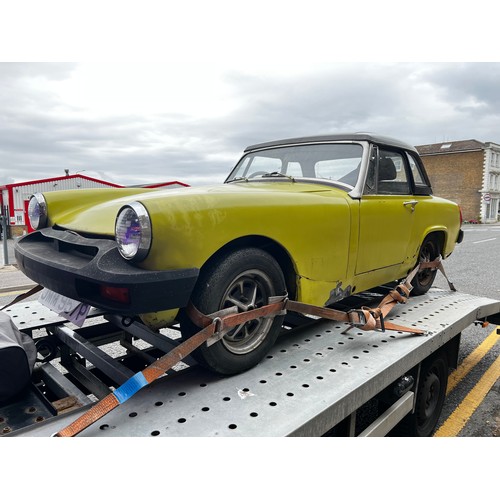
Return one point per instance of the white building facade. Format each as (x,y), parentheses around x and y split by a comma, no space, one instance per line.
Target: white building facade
(490,192)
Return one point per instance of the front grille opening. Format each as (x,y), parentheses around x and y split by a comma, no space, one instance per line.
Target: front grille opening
(78,250)
(84,247)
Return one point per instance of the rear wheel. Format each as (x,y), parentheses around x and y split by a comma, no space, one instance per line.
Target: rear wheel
(246,279)
(424,279)
(430,397)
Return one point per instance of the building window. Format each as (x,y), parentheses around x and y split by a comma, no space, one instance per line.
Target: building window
(494,182)
(495,160)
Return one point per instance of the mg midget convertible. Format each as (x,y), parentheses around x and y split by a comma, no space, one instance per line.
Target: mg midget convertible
(314,218)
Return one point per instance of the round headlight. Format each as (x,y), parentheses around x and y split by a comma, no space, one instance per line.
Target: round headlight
(133,231)
(37,211)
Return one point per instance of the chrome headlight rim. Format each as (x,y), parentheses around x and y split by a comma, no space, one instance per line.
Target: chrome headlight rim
(142,244)
(37,211)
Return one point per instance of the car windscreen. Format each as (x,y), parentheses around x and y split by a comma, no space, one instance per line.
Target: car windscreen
(333,162)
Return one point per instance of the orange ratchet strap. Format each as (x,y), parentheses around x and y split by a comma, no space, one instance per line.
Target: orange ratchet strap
(141,379)
(23,296)
(214,327)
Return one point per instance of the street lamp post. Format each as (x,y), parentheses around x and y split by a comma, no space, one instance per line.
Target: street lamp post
(4,240)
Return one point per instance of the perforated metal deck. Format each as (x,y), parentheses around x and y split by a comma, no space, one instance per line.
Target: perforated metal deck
(314,377)
(32,315)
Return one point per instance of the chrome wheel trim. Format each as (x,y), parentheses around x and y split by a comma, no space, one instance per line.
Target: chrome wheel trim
(249,290)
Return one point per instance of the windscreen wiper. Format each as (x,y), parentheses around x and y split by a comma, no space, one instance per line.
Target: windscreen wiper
(238,179)
(278,174)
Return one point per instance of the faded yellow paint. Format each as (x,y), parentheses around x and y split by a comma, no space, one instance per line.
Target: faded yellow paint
(332,240)
(89,210)
(160,319)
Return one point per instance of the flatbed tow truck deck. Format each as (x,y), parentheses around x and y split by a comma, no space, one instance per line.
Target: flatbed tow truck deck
(314,382)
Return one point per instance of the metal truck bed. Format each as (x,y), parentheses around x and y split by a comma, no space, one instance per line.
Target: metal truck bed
(316,375)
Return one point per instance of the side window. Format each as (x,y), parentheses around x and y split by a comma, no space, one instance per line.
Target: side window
(415,171)
(387,175)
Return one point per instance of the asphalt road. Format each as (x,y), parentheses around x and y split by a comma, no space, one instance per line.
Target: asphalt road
(472,408)
(474,268)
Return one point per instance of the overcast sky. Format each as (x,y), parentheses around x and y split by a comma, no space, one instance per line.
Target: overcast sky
(190,118)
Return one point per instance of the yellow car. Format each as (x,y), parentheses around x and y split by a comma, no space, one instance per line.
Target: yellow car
(317,218)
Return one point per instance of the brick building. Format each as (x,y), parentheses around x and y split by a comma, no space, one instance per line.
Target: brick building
(467,172)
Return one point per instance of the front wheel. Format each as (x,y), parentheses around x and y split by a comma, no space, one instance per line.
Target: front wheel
(246,279)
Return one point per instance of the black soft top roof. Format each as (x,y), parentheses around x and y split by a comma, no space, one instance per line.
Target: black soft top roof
(377,139)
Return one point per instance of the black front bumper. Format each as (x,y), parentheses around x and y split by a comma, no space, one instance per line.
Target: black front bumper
(77,267)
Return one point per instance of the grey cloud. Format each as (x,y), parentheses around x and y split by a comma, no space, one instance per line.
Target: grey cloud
(418,103)
(461,81)
(340,98)
(40,135)
(50,71)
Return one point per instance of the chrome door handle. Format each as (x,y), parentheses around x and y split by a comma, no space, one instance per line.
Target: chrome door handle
(412,203)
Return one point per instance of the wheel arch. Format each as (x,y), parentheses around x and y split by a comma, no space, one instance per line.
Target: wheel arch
(277,251)
(439,235)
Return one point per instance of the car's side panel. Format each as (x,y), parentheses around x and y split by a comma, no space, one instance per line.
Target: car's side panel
(311,222)
(431,215)
(435,215)
(384,233)
(313,227)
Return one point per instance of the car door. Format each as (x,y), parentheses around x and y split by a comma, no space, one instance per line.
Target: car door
(386,212)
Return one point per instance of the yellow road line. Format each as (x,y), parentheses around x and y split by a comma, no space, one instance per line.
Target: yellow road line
(472,360)
(16,292)
(456,421)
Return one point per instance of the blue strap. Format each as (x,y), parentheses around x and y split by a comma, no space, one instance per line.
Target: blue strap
(130,387)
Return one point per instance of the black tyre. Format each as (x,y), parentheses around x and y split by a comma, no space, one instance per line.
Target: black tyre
(424,279)
(245,278)
(429,399)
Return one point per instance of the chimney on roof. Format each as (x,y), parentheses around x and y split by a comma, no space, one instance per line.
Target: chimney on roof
(66,171)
